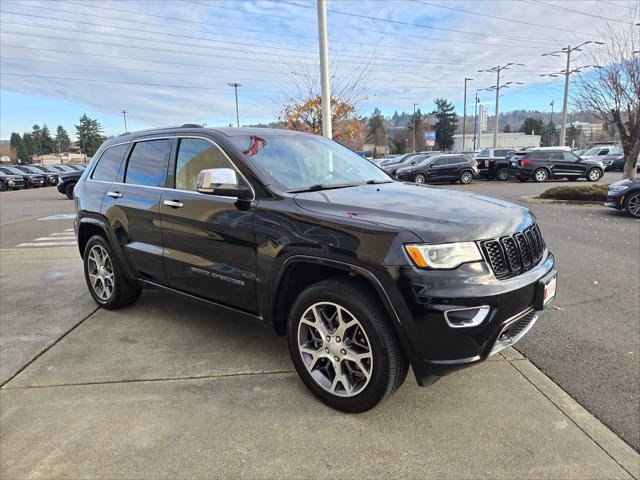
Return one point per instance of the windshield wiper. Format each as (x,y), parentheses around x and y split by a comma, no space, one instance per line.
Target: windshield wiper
(321,186)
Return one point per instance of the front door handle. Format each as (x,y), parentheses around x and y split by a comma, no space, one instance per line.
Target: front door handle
(114,194)
(173,203)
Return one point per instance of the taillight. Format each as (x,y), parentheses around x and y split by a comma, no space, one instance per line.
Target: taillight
(525,162)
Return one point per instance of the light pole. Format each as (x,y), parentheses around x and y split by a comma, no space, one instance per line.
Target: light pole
(464,117)
(124,115)
(475,120)
(567,72)
(497,69)
(235,87)
(324,69)
(553,128)
(415,126)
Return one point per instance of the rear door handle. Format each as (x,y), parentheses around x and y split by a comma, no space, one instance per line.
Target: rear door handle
(114,194)
(173,203)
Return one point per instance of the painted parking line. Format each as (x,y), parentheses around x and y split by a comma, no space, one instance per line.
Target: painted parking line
(58,239)
(60,216)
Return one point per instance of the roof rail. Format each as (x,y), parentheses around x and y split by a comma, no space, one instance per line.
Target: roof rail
(191,125)
(186,125)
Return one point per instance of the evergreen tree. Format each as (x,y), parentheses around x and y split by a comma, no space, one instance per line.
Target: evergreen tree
(47,143)
(30,145)
(62,139)
(447,123)
(376,132)
(507,128)
(415,130)
(89,134)
(537,126)
(18,146)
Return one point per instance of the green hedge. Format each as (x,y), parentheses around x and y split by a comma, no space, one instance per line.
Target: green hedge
(595,192)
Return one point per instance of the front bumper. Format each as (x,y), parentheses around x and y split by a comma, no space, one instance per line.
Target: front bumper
(435,348)
(615,200)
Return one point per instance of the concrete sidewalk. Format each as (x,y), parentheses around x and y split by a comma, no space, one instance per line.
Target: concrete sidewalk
(170,389)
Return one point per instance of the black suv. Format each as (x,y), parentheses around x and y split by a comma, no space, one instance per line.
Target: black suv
(67,182)
(52,178)
(365,275)
(31,180)
(10,182)
(439,168)
(544,164)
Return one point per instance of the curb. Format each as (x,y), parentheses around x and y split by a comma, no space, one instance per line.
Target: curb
(609,442)
(553,200)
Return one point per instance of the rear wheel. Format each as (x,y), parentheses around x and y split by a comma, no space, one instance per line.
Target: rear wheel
(420,179)
(466,177)
(540,175)
(107,283)
(68,190)
(503,174)
(594,175)
(632,205)
(343,346)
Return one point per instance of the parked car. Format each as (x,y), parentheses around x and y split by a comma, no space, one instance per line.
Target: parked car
(614,160)
(595,152)
(440,168)
(10,182)
(63,168)
(625,195)
(493,163)
(365,275)
(543,164)
(51,178)
(31,180)
(67,182)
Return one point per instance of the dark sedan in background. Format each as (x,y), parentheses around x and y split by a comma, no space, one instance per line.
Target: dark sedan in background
(625,195)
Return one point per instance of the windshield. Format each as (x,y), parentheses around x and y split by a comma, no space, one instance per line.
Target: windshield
(591,151)
(12,171)
(300,162)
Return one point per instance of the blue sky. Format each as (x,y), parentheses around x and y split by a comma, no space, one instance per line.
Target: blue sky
(168,62)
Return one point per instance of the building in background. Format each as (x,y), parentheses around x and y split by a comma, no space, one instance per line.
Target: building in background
(514,140)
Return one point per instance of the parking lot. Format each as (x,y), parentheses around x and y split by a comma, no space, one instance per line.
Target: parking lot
(168,388)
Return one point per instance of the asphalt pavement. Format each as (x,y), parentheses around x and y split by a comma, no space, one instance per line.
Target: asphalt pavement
(167,388)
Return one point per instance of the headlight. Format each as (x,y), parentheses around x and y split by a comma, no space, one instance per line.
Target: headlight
(10,182)
(618,188)
(446,255)
(59,178)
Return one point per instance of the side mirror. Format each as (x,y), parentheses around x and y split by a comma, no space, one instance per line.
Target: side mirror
(413,163)
(223,182)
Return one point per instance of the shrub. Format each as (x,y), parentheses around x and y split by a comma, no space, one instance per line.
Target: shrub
(589,192)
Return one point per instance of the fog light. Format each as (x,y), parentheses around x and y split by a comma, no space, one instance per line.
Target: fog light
(466,317)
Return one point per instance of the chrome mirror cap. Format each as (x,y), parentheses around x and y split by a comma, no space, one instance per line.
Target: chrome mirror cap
(212,179)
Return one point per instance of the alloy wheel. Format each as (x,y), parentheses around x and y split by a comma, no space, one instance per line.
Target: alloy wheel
(335,349)
(633,205)
(541,176)
(100,270)
(466,178)
(594,175)
(420,179)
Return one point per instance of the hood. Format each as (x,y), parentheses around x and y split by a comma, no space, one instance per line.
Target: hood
(627,182)
(435,214)
(592,159)
(66,175)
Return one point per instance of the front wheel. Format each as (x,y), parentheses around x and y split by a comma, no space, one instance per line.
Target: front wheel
(466,178)
(594,175)
(540,175)
(343,346)
(632,205)
(420,179)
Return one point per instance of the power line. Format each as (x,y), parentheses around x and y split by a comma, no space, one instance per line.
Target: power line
(368,17)
(561,29)
(577,12)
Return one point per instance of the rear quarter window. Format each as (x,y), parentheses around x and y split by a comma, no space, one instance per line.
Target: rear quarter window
(108,165)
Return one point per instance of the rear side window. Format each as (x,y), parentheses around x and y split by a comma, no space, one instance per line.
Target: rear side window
(195,154)
(148,163)
(109,164)
(556,156)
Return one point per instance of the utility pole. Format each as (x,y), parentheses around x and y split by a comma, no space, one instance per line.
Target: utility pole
(235,87)
(124,115)
(475,120)
(497,69)
(324,69)
(567,73)
(82,149)
(464,117)
(415,128)
(553,127)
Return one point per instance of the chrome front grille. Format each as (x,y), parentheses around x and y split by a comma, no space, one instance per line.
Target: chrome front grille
(514,254)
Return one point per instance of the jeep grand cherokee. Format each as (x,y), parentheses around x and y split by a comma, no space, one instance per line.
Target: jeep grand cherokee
(364,274)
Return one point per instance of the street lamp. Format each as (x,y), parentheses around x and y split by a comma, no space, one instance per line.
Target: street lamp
(567,72)
(464,117)
(497,69)
(415,124)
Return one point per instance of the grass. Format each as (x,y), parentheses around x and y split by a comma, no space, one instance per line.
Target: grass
(591,192)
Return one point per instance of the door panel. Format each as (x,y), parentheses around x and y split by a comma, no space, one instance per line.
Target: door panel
(209,246)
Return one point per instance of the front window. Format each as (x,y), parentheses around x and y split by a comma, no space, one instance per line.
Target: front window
(300,162)
(194,155)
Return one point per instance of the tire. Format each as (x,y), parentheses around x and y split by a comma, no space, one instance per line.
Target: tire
(122,292)
(594,175)
(3,187)
(632,205)
(541,175)
(68,190)
(372,337)
(420,179)
(466,177)
(503,174)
